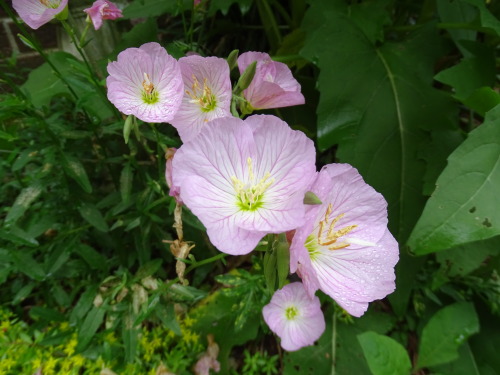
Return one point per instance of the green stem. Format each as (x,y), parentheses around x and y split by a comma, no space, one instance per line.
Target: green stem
(204,261)
(84,34)
(334,341)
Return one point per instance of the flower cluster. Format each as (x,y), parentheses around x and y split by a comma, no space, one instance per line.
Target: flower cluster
(247,178)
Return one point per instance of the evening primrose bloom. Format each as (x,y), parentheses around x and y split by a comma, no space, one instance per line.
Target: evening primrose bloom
(295,317)
(273,85)
(102,10)
(36,13)
(145,82)
(207,94)
(244,179)
(344,247)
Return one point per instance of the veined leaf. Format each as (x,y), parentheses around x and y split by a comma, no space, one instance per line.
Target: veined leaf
(464,206)
(385,356)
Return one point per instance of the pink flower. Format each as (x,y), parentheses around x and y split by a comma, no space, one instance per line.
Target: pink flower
(273,85)
(103,10)
(207,94)
(244,179)
(38,12)
(174,190)
(344,247)
(295,317)
(146,82)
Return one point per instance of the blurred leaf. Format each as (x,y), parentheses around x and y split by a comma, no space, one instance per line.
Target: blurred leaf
(74,169)
(472,72)
(94,259)
(486,18)
(169,319)
(19,236)
(148,269)
(27,265)
(458,12)
(89,327)
(141,33)
(224,5)
(454,216)
(283,262)
(384,355)
(483,100)
(47,314)
(464,365)
(126,178)
(23,201)
(485,344)
(130,336)
(93,216)
(269,264)
(83,305)
(464,259)
(149,8)
(447,329)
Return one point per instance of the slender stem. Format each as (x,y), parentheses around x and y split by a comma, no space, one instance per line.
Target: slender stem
(334,341)
(205,261)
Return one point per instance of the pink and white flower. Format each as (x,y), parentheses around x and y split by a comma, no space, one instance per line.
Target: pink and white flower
(245,179)
(207,94)
(146,82)
(344,247)
(273,85)
(36,13)
(103,10)
(295,317)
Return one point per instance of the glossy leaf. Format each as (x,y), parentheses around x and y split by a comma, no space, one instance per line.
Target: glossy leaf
(385,356)
(454,216)
(449,328)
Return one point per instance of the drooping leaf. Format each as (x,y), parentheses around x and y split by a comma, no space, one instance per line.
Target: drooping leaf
(447,329)
(463,208)
(385,356)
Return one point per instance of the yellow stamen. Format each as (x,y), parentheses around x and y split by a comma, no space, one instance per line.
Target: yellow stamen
(332,235)
(147,84)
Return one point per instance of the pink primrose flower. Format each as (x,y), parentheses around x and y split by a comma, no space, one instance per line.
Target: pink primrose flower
(244,179)
(273,85)
(103,10)
(344,247)
(174,190)
(36,13)
(146,82)
(295,317)
(207,94)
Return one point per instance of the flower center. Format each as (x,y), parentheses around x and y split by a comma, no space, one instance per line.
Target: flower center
(291,313)
(249,196)
(51,3)
(328,237)
(202,95)
(149,94)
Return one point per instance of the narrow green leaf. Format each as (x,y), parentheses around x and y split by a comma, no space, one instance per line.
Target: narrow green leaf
(19,236)
(126,179)
(449,328)
(454,216)
(168,318)
(74,169)
(83,305)
(94,259)
(89,327)
(27,265)
(270,269)
(127,127)
(23,201)
(130,336)
(148,269)
(283,262)
(385,356)
(93,216)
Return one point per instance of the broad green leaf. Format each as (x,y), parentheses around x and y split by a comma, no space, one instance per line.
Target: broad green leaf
(93,216)
(89,327)
(483,100)
(74,169)
(23,201)
(376,103)
(224,5)
(472,72)
(447,329)
(485,344)
(464,365)
(458,12)
(139,34)
(464,206)
(464,259)
(385,356)
(486,18)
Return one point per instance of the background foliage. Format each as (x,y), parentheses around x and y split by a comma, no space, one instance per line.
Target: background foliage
(406,92)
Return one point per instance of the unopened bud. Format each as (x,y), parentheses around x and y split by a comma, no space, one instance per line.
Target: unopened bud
(232,59)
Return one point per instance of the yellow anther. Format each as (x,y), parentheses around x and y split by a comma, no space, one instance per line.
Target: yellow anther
(333,235)
(147,84)
(250,195)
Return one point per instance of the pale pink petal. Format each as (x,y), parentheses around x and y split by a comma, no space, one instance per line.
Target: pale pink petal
(205,78)
(273,85)
(102,10)
(302,328)
(127,75)
(37,13)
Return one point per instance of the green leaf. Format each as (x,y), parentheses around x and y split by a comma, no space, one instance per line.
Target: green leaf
(283,262)
(130,336)
(89,327)
(486,18)
(139,34)
(270,269)
(471,73)
(378,106)
(126,179)
(385,356)
(464,365)
(445,332)
(458,12)
(148,269)
(463,208)
(464,259)
(93,216)
(149,8)
(482,100)
(94,259)
(23,201)
(27,265)
(127,127)
(224,5)
(19,236)
(74,169)
(83,305)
